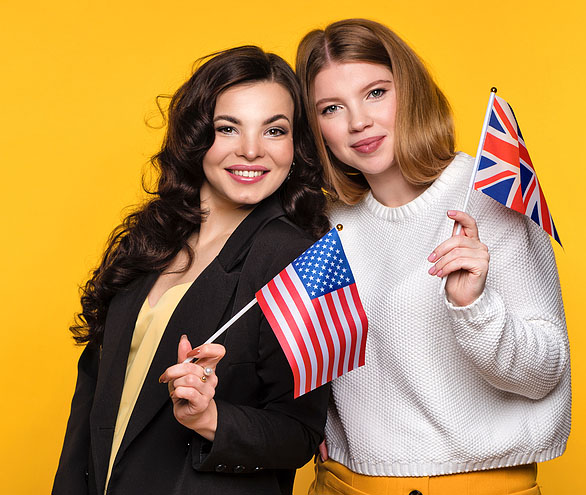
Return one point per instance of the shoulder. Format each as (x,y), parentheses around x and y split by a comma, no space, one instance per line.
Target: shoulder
(281,238)
(277,244)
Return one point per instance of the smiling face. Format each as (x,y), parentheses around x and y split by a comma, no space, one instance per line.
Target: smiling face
(253,146)
(356,108)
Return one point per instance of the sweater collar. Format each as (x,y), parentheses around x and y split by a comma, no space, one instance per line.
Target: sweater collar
(426,199)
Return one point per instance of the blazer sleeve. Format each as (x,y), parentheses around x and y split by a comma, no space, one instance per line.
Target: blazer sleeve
(283,432)
(72,472)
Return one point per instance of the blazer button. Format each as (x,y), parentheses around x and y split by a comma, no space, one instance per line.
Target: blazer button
(239,469)
(415,492)
(220,468)
(258,468)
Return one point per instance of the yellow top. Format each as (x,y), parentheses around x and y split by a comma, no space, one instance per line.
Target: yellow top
(149,328)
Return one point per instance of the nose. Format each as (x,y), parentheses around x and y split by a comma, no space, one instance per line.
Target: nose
(251,147)
(359,120)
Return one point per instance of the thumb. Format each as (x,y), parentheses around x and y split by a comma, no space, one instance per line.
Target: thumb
(183,348)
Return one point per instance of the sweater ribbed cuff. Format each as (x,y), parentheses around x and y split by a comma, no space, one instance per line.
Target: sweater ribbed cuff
(487,299)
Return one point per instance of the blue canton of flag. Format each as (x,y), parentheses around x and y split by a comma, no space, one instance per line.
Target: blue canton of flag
(324,268)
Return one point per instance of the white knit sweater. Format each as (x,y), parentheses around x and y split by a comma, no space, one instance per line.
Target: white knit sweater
(447,389)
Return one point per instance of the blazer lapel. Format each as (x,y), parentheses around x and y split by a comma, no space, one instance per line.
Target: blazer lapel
(119,328)
(200,312)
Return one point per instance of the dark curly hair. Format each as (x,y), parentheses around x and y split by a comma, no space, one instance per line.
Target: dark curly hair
(149,238)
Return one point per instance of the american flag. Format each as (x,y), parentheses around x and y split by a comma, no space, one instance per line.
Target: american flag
(505,171)
(315,311)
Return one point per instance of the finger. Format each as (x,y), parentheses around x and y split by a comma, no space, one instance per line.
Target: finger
(178,370)
(197,382)
(476,266)
(183,348)
(475,259)
(454,243)
(469,227)
(193,396)
(208,355)
(323,451)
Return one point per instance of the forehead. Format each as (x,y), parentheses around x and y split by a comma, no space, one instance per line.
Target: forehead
(255,99)
(341,77)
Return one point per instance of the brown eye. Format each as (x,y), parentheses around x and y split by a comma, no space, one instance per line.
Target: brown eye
(276,131)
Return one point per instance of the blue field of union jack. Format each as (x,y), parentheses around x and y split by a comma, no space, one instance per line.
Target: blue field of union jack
(505,172)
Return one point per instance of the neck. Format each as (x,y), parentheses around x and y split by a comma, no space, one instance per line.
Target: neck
(222,219)
(392,189)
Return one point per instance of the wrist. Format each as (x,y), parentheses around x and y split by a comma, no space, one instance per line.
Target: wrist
(206,423)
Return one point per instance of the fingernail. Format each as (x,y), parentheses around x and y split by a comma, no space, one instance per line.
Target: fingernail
(432,257)
(193,352)
(183,337)
(432,270)
(451,213)
(161,379)
(440,273)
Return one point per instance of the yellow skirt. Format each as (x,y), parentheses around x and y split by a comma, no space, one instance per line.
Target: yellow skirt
(333,478)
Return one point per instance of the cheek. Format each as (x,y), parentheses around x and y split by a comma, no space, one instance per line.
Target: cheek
(332,134)
(282,153)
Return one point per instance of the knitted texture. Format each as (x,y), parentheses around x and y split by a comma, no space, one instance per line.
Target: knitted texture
(448,389)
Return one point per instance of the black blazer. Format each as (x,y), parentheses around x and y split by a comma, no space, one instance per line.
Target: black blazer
(263,434)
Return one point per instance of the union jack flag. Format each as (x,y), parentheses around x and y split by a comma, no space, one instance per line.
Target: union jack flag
(315,311)
(505,171)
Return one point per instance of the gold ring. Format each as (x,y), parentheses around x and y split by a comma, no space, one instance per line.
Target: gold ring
(203,378)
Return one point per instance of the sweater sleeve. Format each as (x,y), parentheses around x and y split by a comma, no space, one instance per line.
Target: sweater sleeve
(515,332)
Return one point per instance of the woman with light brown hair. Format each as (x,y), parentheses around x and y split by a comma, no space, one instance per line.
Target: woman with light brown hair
(463,390)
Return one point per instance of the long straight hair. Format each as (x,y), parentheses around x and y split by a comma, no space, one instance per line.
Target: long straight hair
(424,142)
(148,239)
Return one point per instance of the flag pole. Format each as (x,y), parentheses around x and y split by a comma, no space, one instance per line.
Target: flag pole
(226,325)
(475,168)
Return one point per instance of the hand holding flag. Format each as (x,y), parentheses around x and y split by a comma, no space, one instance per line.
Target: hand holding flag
(503,169)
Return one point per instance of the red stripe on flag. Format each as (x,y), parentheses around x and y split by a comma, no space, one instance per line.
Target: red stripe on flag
(545,218)
(480,184)
(277,330)
(363,320)
(292,290)
(352,326)
(528,195)
(294,331)
(517,202)
(339,330)
(524,155)
(505,120)
(504,151)
(330,343)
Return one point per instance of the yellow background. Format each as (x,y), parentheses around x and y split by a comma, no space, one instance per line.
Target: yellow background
(78,80)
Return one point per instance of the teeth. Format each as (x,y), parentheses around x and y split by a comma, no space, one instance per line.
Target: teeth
(247,173)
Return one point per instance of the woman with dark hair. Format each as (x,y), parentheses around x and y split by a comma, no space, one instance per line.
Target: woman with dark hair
(238,198)
(463,391)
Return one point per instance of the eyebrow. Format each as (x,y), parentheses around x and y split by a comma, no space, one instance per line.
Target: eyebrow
(270,120)
(369,85)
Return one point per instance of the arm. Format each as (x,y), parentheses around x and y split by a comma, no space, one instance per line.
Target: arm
(72,472)
(514,332)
